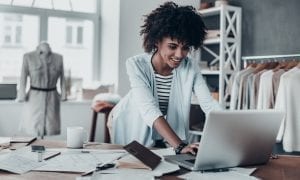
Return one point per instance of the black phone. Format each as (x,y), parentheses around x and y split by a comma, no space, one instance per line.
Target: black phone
(37,148)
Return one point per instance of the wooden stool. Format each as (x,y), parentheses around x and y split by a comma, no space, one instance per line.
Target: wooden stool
(100,107)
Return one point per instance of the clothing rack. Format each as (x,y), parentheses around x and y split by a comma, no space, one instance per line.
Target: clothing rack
(270,58)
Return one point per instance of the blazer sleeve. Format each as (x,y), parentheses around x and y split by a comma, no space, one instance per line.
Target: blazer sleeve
(142,93)
(23,80)
(62,80)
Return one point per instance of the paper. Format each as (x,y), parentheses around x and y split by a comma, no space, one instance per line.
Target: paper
(4,143)
(23,160)
(232,174)
(77,161)
(21,139)
(136,176)
(4,140)
(18,164)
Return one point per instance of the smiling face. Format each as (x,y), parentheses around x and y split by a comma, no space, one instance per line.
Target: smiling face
(170,53)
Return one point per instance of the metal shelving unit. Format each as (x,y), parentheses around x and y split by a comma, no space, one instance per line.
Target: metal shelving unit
(228,55)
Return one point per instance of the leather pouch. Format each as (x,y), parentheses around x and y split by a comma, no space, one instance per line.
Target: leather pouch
(146,156)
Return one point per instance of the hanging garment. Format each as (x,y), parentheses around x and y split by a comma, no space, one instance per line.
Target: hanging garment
(275,83)
(255,85)
(234,98)
(42,101)
(288,100)
(265,100)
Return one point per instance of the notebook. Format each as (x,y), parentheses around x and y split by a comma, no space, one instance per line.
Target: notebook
(233,138)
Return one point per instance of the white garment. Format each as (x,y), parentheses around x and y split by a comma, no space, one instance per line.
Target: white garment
(265,96)
(288,100)
(235,88)
(243,89)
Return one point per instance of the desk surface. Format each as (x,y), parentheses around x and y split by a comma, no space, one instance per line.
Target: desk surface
(283,168)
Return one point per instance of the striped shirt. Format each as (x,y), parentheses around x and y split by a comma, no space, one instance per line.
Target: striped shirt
(163,85)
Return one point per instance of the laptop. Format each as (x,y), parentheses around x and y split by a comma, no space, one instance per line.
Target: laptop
(233,138)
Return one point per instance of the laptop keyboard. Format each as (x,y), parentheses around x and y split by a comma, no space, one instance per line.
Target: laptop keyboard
(191,161)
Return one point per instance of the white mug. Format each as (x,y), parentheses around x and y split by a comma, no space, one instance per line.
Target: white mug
(76,136)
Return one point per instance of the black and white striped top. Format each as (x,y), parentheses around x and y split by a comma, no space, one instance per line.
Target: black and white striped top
(163,85)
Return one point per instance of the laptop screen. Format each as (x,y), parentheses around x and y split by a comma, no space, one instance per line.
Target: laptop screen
(8,91)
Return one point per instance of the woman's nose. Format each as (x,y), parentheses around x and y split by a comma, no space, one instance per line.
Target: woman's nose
(179,53)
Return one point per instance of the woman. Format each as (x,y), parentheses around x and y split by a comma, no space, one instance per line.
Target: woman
(162,80)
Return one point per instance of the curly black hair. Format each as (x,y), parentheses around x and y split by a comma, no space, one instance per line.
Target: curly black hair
(182,23)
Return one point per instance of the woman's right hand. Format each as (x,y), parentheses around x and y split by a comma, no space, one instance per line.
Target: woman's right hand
(190,148)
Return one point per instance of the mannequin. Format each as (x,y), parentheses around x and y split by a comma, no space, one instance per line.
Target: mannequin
(42,101)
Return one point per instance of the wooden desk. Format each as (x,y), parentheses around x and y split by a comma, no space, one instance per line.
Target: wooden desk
(283,168)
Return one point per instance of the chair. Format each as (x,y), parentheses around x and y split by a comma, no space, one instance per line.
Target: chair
(102,103)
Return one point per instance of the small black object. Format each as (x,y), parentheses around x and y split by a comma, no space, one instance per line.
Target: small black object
(216,170)
(105,166)
(37,148)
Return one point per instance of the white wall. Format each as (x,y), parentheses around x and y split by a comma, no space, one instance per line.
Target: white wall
(120,39)
(109,43)
(72,114)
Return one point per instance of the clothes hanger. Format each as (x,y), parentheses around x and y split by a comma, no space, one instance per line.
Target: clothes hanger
(298,65)
(281,65)
(272,65)
(291,64)
(261,66)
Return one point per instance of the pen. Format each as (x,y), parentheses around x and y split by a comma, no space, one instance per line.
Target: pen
(52,156)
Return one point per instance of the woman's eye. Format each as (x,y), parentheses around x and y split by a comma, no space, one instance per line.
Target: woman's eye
(172,47)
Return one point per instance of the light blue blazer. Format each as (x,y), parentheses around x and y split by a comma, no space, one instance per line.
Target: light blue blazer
(134,115)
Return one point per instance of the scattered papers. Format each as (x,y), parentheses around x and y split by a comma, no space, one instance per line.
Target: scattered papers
(18,164)
(77,161)
(15,142)
(232,174)
(23,160)
(131,176)
(21,139)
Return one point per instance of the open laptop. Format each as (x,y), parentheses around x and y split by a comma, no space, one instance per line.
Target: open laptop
(233,138)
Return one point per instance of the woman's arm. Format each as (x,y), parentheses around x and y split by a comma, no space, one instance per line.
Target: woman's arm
(164,129)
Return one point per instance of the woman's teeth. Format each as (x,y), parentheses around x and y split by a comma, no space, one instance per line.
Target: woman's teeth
(176,60)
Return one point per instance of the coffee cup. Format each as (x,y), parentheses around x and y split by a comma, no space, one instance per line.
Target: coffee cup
(76,136)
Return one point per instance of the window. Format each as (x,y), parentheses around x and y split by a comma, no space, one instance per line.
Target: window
(18,35)
(88,6)
(74,33)
(77,47)
(68,25)
(12,29)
